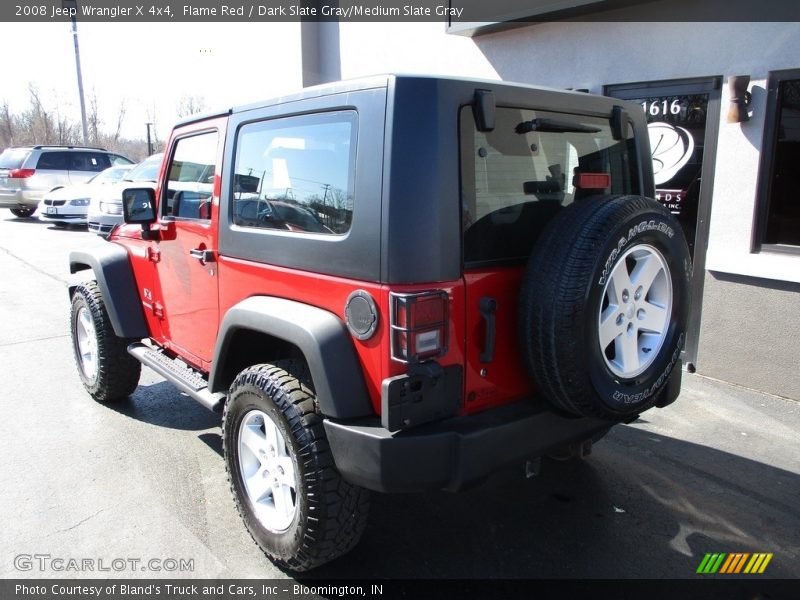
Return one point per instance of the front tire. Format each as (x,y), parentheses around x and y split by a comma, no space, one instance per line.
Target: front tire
(295,504)
(22,213)
(106,369)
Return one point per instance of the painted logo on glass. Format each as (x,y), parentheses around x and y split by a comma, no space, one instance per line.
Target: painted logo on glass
(677,127)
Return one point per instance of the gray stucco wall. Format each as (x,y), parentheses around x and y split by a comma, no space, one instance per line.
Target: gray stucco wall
(750,333)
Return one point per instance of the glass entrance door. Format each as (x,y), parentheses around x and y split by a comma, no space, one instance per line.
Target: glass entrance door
(682,121)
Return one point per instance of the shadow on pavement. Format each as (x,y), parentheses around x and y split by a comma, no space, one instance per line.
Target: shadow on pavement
(643,506)
(162,405)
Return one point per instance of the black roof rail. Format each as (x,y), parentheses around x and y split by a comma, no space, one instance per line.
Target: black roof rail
(42,146)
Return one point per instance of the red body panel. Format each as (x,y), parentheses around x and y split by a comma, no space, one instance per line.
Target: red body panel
(240,279)
(505,377)
(181,302)
(188,290)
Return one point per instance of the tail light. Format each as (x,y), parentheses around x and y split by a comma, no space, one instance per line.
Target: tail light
(419,325)
(21,173)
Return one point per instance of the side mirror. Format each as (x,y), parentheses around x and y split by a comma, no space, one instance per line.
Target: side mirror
(138,206)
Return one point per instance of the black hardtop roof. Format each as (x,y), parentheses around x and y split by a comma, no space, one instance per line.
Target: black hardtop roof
(372,82)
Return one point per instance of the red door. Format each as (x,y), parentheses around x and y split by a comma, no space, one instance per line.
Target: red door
(186,265)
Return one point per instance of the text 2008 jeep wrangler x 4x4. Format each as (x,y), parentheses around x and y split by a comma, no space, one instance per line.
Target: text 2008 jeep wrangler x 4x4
(393,284)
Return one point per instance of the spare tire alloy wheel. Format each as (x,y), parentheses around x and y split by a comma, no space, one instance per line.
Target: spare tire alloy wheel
(604,305)
(634,315)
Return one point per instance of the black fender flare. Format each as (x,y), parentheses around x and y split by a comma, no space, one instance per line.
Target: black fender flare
(321,337)
(114,274)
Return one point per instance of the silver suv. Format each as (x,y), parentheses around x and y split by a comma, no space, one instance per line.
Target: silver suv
(28,172)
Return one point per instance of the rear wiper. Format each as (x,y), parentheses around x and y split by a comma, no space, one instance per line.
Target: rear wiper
(555,126)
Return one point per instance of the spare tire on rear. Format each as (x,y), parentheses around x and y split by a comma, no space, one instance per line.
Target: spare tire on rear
(604,305)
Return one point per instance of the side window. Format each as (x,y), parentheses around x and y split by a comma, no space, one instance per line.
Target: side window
(779,208)
(190,184)
(89,161)
(296,174)
(57,161)
(520,175)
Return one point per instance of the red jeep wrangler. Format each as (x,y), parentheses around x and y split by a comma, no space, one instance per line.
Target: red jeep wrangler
(394,284)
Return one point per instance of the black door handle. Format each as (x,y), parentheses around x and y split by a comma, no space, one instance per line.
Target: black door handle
(488,307)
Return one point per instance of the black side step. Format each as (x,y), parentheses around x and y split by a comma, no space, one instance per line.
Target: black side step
(184,378)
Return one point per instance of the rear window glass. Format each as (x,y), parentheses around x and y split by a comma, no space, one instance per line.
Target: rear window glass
(296,174)
(13,159)
(57,161)
(514,179)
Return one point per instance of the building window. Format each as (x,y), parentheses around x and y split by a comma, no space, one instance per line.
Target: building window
(779,203)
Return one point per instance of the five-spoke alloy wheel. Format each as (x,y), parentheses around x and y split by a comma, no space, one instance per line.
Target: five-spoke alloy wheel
(635,313)
(268,472)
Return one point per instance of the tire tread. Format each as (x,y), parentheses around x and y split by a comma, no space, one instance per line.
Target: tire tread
(118,372)
(337,510)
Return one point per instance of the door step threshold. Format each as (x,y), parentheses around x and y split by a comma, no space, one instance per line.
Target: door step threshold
(186,379)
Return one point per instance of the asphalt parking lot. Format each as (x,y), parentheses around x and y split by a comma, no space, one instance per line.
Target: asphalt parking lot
(719,471)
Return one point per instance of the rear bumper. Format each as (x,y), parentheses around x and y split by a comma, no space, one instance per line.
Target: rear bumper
(20,198)
(452,453)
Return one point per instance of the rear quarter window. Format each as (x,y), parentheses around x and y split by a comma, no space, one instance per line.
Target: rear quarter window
(513,181)
(56,161)
(296,174)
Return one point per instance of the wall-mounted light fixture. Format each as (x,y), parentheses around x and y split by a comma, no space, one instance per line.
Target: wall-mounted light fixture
(740,98)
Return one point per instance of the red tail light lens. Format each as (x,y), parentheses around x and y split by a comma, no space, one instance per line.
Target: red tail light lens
(592,181)
(20,173)
(419,325)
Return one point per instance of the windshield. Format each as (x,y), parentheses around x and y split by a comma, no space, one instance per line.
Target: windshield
(110,175)
(147,170)
(13,159)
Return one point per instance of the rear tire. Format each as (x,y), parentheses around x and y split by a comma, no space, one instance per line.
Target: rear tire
(295,504)
(22,213)
(106,369)
(604,306)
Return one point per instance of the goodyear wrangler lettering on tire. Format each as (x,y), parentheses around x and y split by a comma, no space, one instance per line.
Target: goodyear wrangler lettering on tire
(643,226)
(603,320)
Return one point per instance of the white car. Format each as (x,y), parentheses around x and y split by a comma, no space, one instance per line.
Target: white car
(105,209)
(70,205)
